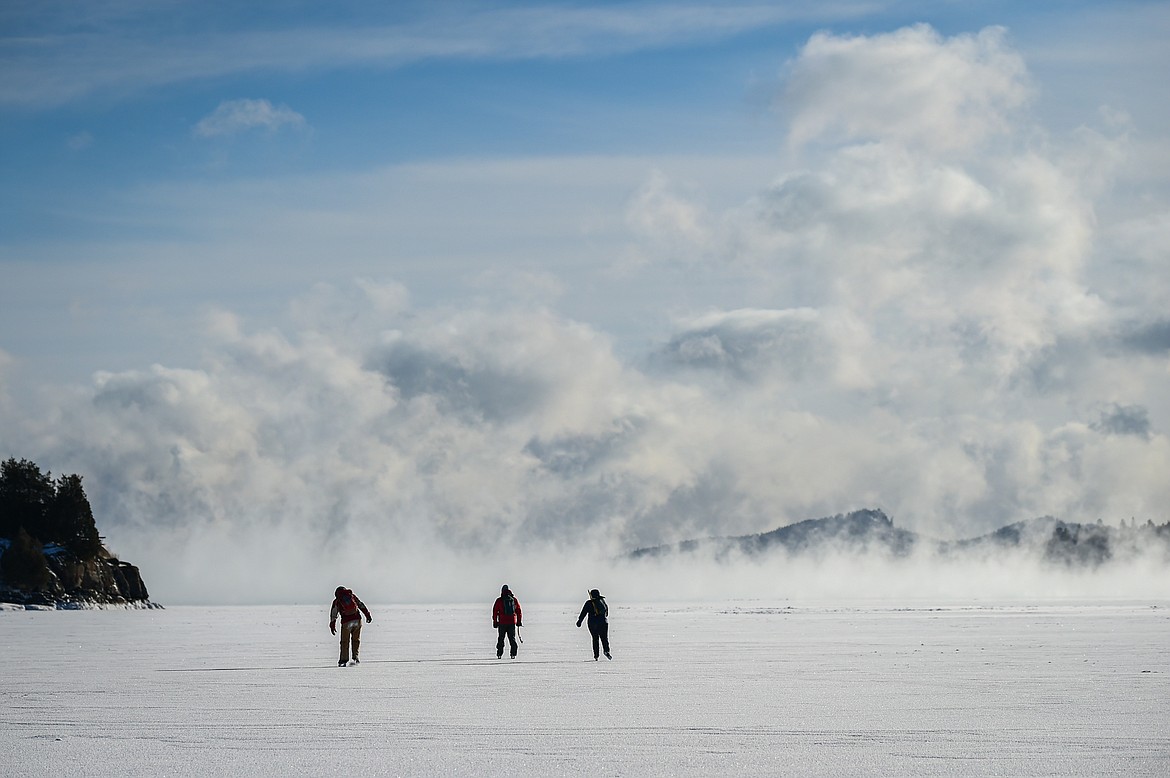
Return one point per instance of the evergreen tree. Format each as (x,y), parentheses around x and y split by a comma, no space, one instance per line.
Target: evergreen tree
(69,519)
(25,495)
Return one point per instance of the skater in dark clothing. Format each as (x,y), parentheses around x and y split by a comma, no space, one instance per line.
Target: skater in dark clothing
(350,609)
(506,617)
(597,612)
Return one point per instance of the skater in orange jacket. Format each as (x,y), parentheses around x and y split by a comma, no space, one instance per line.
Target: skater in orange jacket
(350,609)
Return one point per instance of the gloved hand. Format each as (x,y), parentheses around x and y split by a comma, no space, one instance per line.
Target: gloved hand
(495,625)
(369,619)
(518,624)
(333,627)
(578,625)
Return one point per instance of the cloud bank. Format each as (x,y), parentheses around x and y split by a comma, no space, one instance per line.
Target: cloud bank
(931,333)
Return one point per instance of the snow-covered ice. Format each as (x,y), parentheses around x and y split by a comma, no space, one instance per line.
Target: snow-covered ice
(739,688)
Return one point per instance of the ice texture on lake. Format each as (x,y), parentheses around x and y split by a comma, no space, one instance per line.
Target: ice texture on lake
(737,688)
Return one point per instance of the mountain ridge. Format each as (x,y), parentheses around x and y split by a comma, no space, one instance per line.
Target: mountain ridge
(870,529)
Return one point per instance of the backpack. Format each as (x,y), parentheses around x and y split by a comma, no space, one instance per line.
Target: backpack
(509,604)
(347,605)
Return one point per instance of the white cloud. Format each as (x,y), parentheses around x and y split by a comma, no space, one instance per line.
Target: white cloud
(910,86)
(663,213)
(903,217)
(748,343)
(232,117)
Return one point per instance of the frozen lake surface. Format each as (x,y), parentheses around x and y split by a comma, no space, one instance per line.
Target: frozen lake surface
(707,689)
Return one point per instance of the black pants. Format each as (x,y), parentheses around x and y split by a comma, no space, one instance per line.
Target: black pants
(510,631)
(600,632)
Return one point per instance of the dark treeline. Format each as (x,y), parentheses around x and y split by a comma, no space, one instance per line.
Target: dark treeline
(37,511)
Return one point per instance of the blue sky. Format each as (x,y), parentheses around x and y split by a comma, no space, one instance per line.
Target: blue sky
(922,243)
(103,105)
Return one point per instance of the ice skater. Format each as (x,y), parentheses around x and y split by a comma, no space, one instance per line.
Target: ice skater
(350,609)
(506,618)
(597,612)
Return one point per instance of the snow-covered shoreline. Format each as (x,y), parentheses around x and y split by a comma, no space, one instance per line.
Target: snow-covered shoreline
(13,607)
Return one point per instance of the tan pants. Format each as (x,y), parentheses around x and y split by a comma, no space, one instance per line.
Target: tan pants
(351,634)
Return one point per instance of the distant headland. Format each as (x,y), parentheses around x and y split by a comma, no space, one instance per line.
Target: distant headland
(51,555)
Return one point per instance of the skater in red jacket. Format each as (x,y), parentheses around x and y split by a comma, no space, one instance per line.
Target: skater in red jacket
(506,617)
(350,609)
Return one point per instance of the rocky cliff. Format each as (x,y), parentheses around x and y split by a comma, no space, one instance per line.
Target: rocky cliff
(72,582)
